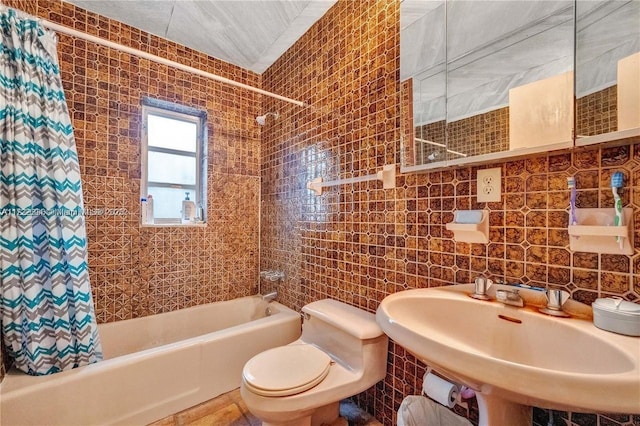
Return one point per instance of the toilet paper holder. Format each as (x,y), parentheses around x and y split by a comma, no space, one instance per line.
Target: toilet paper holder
(462,391)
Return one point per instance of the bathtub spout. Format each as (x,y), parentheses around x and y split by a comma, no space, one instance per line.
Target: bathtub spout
(270,296)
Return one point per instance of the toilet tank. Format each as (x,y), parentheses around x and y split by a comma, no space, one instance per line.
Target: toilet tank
(348,334)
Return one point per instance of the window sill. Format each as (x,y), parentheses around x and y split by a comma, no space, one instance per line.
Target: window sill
(169,225)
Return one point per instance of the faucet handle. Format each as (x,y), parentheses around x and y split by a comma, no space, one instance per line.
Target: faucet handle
(482,284)
(272,275)
(556,298)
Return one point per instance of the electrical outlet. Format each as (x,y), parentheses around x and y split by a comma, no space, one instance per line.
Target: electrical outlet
(489,185)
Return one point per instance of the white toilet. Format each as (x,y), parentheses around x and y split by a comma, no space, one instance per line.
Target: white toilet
(342,352)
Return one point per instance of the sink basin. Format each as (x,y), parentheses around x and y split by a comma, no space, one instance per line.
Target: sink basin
(515,357)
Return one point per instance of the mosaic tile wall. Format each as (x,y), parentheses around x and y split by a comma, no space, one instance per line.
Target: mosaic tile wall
(141,271)
(489,132)
(409,150)
(480,134)
(425,152)
(359,242)
(597,113)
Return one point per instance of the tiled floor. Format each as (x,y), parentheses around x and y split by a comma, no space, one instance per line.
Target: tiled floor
(229,410)
(225,410)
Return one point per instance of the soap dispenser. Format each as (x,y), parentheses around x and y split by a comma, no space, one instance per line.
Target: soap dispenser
(188,210)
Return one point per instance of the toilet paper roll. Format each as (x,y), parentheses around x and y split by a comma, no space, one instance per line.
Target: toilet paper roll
(440,390)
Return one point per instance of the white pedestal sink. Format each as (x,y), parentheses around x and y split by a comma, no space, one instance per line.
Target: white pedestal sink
(516,357)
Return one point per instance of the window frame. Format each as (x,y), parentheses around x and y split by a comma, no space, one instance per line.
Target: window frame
(177,112)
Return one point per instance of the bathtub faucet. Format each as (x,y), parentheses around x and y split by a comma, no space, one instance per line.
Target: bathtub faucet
(269,297)
(272,276)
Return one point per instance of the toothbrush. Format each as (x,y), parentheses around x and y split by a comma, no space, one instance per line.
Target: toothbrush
(571,183)
(616,182)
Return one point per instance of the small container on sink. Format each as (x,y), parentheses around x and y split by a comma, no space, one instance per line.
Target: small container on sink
(617,315)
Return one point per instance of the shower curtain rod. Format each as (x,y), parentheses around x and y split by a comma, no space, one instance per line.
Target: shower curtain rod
(145,55)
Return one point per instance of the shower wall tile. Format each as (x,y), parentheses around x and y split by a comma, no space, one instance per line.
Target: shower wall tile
(479,134)
(409,150)
(139,271)
(426,152)
(597,113)
(359,242)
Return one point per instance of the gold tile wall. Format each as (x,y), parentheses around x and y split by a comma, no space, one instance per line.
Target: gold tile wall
(141,271)
(433,132)
(597,112)
(480,134)
(356,243)
(476,135)
(359,242)
(407,132)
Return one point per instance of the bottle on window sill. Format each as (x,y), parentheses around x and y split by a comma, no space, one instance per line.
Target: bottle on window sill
(149,215)
(144,206)
(188,210)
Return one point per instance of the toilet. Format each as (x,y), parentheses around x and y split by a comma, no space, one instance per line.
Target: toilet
(342,351)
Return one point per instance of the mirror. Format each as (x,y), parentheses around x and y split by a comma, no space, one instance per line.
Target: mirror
(506,62)
(508,81)
(422,73)
(607,67)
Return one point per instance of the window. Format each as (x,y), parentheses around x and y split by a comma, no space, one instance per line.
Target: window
(173,161)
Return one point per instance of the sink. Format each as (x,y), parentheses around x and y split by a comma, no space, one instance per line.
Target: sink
(516,357)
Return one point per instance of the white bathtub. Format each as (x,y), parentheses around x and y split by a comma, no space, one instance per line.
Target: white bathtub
(154,366)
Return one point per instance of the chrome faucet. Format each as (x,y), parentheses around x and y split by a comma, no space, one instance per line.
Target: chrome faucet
(555,299)
(510,297)
(269,297)
(482,284)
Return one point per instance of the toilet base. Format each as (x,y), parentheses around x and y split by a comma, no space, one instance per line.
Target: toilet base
(327,415)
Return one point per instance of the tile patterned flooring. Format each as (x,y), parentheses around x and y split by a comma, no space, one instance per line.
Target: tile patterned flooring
(230,410)
(225,410)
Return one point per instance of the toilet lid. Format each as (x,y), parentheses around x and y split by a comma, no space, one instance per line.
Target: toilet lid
(286,370)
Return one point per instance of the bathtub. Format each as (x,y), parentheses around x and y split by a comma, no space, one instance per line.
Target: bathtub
(154,366)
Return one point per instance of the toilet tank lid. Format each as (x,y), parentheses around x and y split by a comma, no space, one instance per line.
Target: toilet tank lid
(352,320)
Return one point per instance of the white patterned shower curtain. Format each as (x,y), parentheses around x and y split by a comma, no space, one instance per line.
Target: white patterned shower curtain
(48,321)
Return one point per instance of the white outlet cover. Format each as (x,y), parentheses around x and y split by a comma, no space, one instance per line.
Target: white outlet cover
(489,185)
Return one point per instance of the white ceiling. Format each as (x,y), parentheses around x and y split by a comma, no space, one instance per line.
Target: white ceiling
(249,33)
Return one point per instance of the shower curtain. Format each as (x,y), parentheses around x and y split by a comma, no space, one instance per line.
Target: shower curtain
(48,321)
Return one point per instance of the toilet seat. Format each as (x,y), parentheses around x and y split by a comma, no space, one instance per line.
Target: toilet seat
(286,370)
